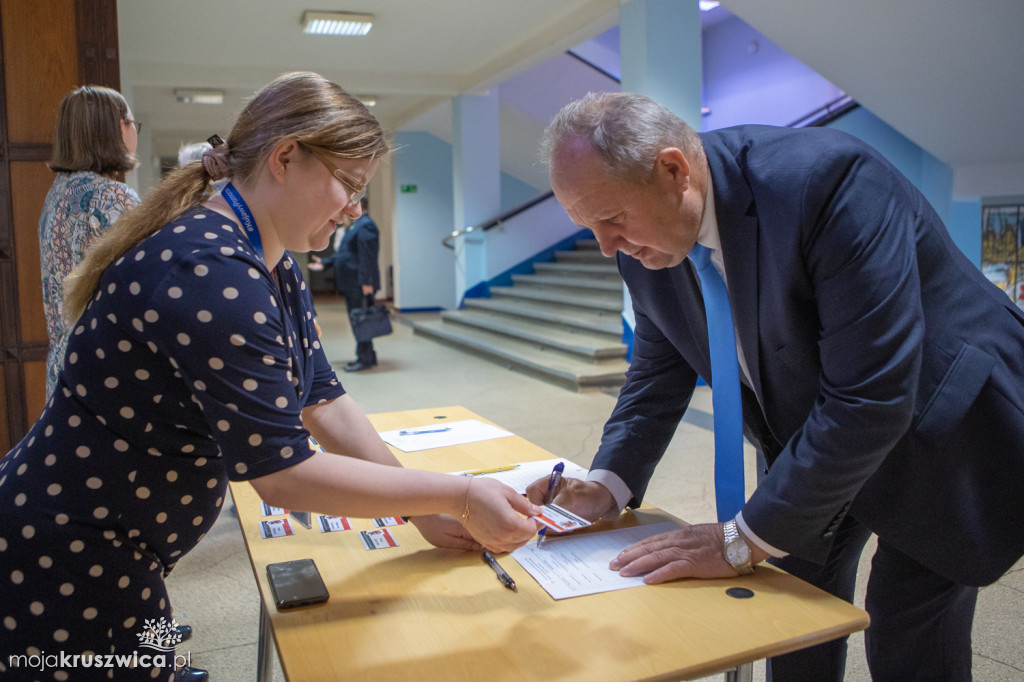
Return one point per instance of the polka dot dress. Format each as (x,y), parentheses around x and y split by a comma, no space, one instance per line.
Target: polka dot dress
(189,367)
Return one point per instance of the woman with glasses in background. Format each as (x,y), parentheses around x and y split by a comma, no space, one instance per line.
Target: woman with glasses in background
(94,147)
(195,360)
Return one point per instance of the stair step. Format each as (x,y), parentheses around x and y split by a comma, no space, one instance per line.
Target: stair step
(585,256)
(589,347)
(604,271)
(605,303)
(546,364)
(607,323)
(584,283)
(587,245)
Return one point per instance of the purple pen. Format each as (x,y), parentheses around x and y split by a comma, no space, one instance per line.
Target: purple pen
(553,479)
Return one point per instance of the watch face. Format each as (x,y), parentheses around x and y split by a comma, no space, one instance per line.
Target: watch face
(737,552)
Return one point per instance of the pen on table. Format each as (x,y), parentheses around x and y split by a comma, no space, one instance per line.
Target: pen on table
(504,577)
(416,432)
(549,496)
(492,470)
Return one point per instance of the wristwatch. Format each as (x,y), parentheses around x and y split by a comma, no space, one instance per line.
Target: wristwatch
(736,551)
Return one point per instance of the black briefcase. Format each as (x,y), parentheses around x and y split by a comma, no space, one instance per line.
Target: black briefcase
(370,321)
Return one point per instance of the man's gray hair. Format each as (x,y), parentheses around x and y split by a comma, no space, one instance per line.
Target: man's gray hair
(625,129)
(192,151)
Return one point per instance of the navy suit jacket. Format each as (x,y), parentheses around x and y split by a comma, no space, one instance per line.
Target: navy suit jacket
(355,261)
(890,371)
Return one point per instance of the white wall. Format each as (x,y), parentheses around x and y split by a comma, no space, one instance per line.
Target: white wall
(989,180)
(424,268)
(750,79)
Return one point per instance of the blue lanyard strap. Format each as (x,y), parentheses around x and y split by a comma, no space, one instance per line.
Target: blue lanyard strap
(238,205)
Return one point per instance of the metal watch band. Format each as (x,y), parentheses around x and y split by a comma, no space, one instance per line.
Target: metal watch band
(731,531)
(732,534)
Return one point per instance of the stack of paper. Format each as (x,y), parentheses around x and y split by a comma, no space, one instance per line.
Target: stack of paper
(575,565)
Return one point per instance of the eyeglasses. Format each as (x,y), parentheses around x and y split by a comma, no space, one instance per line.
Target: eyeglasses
(133,122)
(356,189)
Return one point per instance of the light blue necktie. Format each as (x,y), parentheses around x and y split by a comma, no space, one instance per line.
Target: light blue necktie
(725,387)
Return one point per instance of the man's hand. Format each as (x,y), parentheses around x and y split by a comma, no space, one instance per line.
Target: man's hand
(690,552)
(584,498)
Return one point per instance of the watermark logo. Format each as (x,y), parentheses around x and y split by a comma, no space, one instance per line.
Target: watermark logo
(159,635)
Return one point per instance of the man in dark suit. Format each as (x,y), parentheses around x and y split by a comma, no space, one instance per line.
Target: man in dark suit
(882,374)
(357,276)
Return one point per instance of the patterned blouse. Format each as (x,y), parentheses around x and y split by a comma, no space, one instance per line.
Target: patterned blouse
(78,208)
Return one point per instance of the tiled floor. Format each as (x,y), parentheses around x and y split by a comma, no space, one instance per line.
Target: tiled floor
(213,588)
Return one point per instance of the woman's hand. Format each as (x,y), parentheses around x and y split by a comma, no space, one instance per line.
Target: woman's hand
(444,531)
(494,513)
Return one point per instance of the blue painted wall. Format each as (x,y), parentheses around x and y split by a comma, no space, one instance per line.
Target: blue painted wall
(425,277)
(515,192)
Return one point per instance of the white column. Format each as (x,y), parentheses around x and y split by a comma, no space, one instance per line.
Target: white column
(476,169)
(660,52)
(660,46)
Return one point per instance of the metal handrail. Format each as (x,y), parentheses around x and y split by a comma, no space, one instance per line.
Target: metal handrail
(495,222)
(594,66)
(826,113)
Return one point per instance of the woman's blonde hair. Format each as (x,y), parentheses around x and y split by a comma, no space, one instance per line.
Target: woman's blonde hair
(302,106)
(89,134)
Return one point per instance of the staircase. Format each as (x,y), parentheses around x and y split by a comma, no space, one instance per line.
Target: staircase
(562,324)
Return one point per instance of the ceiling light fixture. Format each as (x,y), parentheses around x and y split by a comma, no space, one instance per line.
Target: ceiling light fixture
(367,100)
(199,96)
(707,5)
(336,23)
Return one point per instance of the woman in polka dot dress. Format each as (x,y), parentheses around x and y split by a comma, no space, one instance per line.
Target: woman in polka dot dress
(196,360)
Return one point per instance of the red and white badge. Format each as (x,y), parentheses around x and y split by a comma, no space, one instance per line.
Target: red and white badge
(333,524)
(378,538)
(276,528)
(267,510)
(560,520)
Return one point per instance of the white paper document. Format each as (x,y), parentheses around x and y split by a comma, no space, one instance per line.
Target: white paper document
(442,434)
(525,473)
(575,565)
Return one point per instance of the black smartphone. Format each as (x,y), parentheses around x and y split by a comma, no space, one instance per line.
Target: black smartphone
(296,583)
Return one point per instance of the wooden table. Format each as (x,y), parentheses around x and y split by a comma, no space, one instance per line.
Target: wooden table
(416,612)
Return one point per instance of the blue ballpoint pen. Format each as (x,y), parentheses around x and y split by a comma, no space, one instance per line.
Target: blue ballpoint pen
(553,480)
(416,432)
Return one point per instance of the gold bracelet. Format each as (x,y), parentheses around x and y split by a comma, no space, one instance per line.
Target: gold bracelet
(465,512)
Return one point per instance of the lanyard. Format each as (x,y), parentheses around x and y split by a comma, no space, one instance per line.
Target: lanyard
(238,205)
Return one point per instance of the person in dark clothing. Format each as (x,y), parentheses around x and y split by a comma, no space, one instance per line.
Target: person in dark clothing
(357,276)
(880,372)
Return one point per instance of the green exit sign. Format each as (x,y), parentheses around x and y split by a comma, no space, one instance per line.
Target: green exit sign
(408,189)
